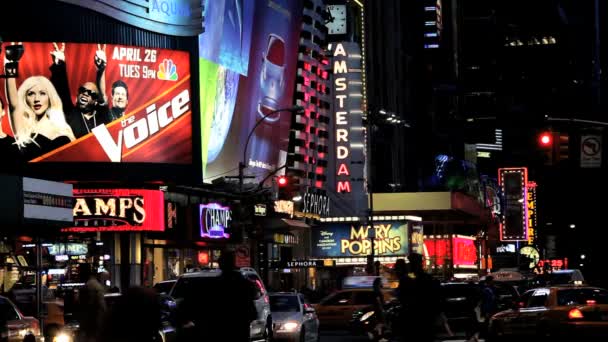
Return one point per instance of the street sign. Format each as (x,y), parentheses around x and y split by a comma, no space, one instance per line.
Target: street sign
(591,151)
(260,210)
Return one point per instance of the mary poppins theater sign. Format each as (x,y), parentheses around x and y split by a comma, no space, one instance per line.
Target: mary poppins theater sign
(118,210)
(96,103)
(349,240)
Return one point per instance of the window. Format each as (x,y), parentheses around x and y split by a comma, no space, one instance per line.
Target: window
(341,298)
(259,286)
(582,297)
(364,298)
(525,298)
(284,304)
(539,298)
(8,311)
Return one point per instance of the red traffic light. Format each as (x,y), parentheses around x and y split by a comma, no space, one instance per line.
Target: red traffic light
(545,139)
(282,180)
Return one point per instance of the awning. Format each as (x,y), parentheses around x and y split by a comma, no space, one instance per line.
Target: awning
(445,207)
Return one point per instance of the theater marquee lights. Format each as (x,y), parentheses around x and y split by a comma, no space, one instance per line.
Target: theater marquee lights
(514,184)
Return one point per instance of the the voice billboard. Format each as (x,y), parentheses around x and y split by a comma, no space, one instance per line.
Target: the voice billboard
(95,103)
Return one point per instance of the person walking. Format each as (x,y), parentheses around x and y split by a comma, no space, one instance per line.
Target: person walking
(419,295)
(91,304)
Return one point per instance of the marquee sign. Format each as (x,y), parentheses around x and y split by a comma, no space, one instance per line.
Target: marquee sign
(532,217)
(345,240)
(514,223)
(118,210)
(346,161)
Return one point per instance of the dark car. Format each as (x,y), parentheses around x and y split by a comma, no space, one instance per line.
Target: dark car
(458,300)
(166,332)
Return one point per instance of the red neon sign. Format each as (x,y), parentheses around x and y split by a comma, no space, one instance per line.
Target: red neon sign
(101,210)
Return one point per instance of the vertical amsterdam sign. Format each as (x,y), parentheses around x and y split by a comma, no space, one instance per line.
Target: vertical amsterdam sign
(347,147)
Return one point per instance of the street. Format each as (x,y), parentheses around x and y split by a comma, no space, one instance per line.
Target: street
(339,336)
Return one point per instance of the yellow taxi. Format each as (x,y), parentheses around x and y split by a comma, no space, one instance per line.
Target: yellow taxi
(555,311)
(337,309)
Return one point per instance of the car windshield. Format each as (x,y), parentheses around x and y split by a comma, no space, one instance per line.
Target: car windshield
(164,287)
(284,304)
(582,297)
(7,311)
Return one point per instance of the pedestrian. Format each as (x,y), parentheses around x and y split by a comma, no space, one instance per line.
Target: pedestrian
(419,295)
(489,305)
(91,305)
(378,305)
(239,297)
(220,309)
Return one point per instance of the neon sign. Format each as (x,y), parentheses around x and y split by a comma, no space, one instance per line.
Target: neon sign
(118,210)
(214,221)
(531,200)
(342,122)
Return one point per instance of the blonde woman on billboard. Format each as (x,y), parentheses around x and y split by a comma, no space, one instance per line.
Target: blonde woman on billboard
(36,116)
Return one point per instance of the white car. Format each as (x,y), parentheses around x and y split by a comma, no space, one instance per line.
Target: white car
(261,328)
(294,319)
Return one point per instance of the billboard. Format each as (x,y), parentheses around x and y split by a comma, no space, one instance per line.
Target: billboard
(353,239)
(105,210)
(239,86)
(460,250)
(96,103)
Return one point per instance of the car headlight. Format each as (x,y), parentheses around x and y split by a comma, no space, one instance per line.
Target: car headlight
(23,332)
(62,337)
(366,316)
(290,326)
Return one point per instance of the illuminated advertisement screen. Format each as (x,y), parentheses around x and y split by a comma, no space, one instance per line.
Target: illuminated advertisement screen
(464,251)
(353,239)
(96,103)
(118,210)
(458,249)
(236,95)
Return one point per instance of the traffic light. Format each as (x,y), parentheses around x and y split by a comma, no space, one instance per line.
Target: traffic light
(282,181)
(563,147)
(288,187)
(545,143)
(546,139)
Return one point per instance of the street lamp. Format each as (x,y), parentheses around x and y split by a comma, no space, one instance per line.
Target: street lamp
(242,163)
(381,117)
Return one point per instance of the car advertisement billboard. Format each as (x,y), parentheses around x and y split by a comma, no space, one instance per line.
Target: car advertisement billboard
(353,239)
(236,95)
(76,102)
(105,210)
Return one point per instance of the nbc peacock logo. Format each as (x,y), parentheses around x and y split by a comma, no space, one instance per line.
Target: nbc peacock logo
(167,70)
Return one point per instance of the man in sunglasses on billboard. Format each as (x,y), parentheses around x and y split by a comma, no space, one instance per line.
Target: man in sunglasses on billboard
(91,108)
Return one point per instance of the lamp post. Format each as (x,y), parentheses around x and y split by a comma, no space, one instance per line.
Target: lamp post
(373,119)
(242,163)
